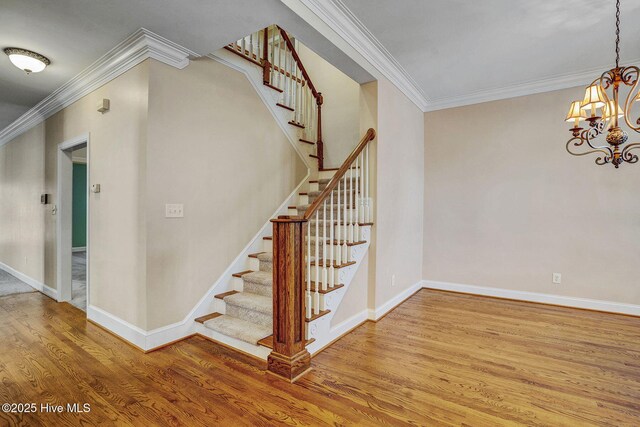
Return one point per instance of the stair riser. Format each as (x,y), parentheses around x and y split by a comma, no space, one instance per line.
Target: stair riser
(259,289)
(249,315)
(326,174)
(266,266)
(219,306)
(303,200)
(267,245)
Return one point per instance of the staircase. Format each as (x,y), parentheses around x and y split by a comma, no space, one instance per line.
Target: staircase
(282,302)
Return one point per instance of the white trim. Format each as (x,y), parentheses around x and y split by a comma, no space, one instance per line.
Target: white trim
(591,304)
(63,283)
(141,45)
(336,332)
(79,249)
(122,328)
(35,284)
(547,84)
(340,19)
(378,312)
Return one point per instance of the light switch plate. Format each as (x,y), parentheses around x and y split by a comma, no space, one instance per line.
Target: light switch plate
(557,278)
(174,211)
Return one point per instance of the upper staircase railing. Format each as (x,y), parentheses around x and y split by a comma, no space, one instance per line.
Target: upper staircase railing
(272,49)
(308,251)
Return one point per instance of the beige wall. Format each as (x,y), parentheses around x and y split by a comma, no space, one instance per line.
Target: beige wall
(506,205)
(399,193)
(116,162)
(340,110)
(22,219)
(214,147)
(117,138)
(361,292)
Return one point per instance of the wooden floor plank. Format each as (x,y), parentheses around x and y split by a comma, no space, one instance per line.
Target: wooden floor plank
(439,359)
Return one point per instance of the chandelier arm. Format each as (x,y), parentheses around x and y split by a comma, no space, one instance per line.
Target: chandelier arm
(630,77)
(626,154)
(589,134)
(604,150)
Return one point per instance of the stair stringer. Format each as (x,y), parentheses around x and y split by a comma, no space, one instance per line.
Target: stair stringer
(270,97)
(320,329)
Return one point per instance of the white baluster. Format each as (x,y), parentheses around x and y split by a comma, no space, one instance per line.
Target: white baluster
(339,260)
(324,245)
(316,296)
(259,43)
(251,45)
(367,200)
(331,243)
(308,296)
(273,56)
(345,248)
(279,61)
(350,204)
(356,225)
(243,44)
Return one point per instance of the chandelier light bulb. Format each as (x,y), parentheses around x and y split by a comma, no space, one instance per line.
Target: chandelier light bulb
(26,60)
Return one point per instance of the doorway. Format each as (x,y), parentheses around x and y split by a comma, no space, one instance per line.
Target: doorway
(73,222)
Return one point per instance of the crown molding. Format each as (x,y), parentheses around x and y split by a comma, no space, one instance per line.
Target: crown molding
(338,16)
(139,46)
(549,84)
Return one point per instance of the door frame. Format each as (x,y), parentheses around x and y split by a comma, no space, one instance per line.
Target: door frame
(64,219)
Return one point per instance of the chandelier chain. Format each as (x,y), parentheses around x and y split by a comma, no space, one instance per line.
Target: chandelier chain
(617,33)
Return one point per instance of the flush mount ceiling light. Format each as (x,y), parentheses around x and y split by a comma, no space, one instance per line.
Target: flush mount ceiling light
(606,113)
(26,60)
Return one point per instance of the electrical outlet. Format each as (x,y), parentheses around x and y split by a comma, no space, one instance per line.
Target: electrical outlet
(557,278)
(174,211)
(393,280)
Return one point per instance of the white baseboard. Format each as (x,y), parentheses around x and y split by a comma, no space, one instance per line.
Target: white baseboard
(145,340)
(35,284)
(591,304)
(79,249)
(378,312)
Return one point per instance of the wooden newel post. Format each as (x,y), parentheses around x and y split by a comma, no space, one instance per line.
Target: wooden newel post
(319,143)
(289,358)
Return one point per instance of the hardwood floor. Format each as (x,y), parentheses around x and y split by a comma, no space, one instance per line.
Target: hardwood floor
(438,359)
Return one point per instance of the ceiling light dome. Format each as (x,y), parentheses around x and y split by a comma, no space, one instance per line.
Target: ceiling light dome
(26,60)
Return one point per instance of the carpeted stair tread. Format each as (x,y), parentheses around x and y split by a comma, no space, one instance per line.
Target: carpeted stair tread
(264,278)
(239,329)
(254,302)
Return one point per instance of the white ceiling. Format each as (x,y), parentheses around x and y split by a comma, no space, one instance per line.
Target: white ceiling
(457,51)
(466,51)
(74,33)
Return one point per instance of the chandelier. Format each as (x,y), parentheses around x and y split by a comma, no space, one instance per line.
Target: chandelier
(602,101)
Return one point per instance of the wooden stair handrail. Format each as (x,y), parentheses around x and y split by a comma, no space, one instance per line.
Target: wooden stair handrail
(368,137)
(294,53)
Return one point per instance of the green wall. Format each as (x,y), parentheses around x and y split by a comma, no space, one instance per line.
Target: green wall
(79,238)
